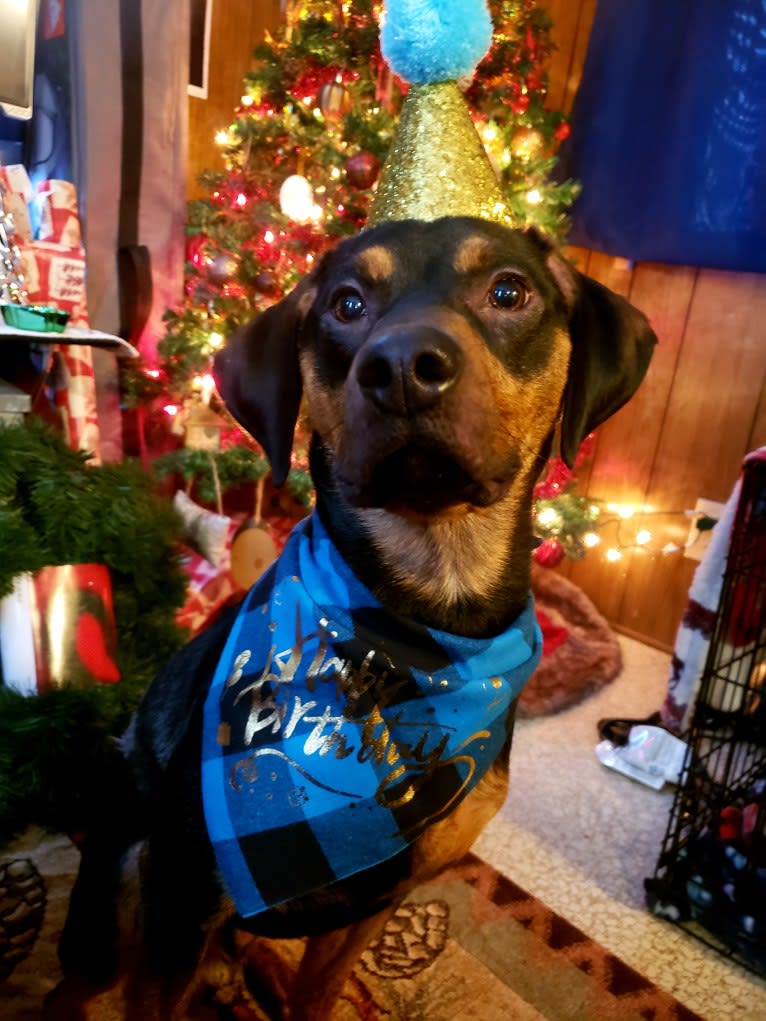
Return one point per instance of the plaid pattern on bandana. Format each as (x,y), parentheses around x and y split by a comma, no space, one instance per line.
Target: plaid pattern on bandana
(335,731)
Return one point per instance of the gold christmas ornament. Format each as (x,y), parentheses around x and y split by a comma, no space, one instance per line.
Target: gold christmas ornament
(334,101)
(527,143)
(437,165)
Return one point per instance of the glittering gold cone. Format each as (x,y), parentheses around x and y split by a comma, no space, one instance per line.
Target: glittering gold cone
(437,165)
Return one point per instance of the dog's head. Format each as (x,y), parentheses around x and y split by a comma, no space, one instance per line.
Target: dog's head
(436,360)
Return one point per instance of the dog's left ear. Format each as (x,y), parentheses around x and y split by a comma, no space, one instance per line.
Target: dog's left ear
(258,376)
(612,345)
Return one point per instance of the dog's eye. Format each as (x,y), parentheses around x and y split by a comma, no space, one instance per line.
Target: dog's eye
(509,292)
(349,306)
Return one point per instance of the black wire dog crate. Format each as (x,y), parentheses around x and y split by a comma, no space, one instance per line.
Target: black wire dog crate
(710,877)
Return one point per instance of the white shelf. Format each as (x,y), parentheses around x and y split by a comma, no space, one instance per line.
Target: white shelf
(71,335)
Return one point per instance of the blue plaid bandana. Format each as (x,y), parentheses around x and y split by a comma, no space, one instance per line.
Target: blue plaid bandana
(335,731)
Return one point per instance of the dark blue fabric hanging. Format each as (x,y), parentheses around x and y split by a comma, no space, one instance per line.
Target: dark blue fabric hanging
(669,133)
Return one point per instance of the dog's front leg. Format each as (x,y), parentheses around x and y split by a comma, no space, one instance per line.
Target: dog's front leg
(326,965)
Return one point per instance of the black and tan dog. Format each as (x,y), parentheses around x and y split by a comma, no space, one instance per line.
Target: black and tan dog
(436,361)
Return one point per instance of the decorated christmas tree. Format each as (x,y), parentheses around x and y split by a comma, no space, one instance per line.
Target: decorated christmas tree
(302,159)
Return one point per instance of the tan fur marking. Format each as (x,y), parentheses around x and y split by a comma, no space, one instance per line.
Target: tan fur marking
(323,409)
(306,300)
(376,264)
(446,560)
(470,253)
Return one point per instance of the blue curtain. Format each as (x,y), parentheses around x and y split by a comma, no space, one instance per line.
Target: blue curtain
(669,133)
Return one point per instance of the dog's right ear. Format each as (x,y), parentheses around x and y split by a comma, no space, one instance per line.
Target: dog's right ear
(258,376)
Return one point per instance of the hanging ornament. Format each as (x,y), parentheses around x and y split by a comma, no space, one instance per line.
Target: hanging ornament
(296,198)
(362,170)
(266,283)
(252,548)
(205,530)
(549,553)
(527,143)
(203,428)
(334,100)
(222,268)
(563,131)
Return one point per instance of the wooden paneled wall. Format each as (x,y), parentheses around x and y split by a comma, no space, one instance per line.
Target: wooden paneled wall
(703,404)
(237,27)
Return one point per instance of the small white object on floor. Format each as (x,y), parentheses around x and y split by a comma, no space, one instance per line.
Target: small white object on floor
(653,756)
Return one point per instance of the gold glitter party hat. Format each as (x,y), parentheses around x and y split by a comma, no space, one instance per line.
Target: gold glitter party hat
(437,165)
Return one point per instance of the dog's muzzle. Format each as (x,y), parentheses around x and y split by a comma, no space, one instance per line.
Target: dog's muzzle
(406,373)
(414,436)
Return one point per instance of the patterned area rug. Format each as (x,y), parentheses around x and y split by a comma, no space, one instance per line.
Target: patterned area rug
(472,946)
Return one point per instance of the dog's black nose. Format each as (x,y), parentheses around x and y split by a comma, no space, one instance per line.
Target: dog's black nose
(406,371)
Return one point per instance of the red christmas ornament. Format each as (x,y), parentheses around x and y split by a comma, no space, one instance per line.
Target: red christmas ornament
(362,170)
(562,131)
(549,553)
(308,83)
(520,105)
(194,246)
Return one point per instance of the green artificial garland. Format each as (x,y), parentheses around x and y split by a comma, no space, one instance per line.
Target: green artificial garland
(57,753)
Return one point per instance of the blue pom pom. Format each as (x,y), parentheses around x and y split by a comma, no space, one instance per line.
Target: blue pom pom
(435,40)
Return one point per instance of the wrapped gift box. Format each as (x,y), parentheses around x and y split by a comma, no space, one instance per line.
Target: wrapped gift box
(55,275)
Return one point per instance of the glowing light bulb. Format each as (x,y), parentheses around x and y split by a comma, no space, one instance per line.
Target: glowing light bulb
(247,101)
(296,199)
(613,555)
(591,539)
(171,409)
(643,537)
(152,373)
(241,199)
(622,510)
(207,387)
(215,340)
(222,137)
(548,516)
(534,197)
(268,237)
